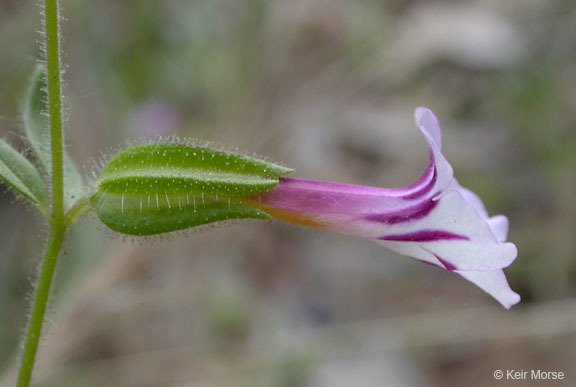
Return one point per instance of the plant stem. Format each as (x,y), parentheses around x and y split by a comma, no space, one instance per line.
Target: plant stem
(80,208)
(52,16)
(58,222)
(39,306)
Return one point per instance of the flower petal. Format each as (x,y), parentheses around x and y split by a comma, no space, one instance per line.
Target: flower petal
(454,231)
(472,199)
(428,125)
(495,284)
(434,220)
(499,226)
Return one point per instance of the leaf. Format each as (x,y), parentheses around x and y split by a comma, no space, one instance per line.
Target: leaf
(37,127)
(73,183)
(153,189)
(20,174)
(36,122)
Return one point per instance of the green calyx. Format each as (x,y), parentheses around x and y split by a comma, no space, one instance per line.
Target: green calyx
(159,188)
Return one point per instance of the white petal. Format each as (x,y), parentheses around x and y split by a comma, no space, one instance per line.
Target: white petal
(458,255)
(472,199)
(428,123)
(495,284)
(499,226)
(453,215)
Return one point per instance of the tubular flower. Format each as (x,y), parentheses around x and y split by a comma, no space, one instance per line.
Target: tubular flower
(434,220)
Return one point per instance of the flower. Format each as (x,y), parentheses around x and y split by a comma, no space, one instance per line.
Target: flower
(434,220)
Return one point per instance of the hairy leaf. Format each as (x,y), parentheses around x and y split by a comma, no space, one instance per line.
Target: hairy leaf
(20,174)
(153,189)
(37,127)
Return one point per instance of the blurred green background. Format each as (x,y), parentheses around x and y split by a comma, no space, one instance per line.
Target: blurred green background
(327,87)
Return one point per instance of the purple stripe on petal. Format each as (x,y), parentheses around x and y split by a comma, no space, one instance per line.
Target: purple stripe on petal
(425,236)
(422,181)
(424,190)
(444,265)
(447,265)
(405,215)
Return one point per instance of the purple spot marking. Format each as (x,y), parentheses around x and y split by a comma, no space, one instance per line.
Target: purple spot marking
(424,190)
(425,236)
(411,213)
(447,265)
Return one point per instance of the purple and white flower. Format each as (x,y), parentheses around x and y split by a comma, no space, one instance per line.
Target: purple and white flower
(435,220)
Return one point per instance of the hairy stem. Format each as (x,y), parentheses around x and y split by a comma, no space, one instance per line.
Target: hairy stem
(55,105)
(58,222)
(41,296)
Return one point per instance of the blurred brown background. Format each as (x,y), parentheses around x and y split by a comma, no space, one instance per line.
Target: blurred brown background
(327,87)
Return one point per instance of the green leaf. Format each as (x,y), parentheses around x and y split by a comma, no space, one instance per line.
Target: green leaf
(20,174)
(37,127)
(36,122)
(153,189)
